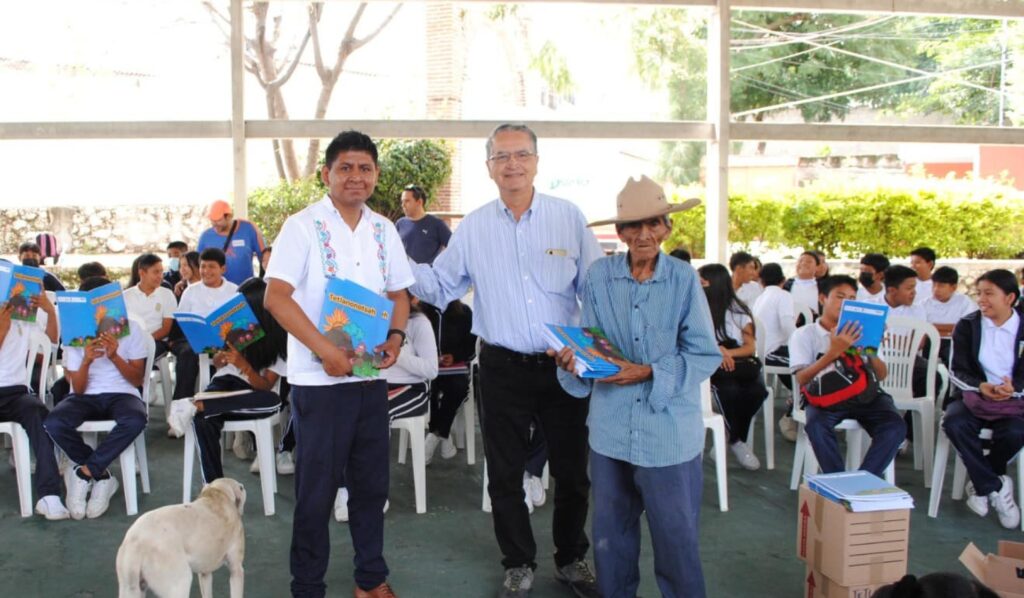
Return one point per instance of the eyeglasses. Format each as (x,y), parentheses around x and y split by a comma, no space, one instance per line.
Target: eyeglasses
(504,157)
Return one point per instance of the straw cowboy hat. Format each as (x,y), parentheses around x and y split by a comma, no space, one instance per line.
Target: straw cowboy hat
(642,200)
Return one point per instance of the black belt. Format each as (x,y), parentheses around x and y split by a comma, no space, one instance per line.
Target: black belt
(532,359)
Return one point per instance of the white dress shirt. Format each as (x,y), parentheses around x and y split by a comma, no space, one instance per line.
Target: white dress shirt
(774,309)
(997,350)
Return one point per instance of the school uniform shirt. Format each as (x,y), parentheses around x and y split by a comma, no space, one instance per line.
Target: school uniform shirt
(14,350)
(417,363)
(749,292)
(923,291)
(950,312)
(279,367)
(104,377)
(151,309)
(245,243)
(200,299)
(735,322)
(806,344)
(914,312)
(774,309)
(997,352)
(315,245)
(865,295)
(805,292)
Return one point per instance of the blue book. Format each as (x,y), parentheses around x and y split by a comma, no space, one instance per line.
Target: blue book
(859,491)
(233,322)
(18,285)
(357,320)
(590,346)
(84,315)
(870,316)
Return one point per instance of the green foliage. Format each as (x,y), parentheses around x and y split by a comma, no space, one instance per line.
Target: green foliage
(423,162)
(974,219)
(552,67)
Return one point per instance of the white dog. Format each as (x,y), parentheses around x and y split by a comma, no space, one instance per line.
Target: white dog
(163,548)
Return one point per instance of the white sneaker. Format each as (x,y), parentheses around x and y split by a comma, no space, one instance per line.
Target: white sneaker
(285,465)
(430,446)
(744,456)
(242,446)
(448,449)
(50,507)
(978,504)
(387,505)
(526,494)
(255,466)
(1002,502)
(788,428)
(341,505)
(534,488)
(905,447)
(99,498)
(180,418)
(77,491)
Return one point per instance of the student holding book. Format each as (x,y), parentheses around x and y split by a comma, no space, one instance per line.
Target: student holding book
(105,377)
(340,420)
(988,368)
(646,429)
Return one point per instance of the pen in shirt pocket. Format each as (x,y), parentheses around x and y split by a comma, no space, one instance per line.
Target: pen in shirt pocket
(557,252)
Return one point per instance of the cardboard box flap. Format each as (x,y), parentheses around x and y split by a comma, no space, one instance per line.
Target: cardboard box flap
(1013,550)
(975,561)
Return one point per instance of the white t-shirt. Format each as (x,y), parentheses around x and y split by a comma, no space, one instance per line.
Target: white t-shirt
(200,299)
(805,292)
(279,367)
(104,377)
(864,295)
(997,350)
(749,292)
(950,312)
(417,362)
(316,244)
(14,351)
(924,291)
(774,308)
(735,322)
(150,309)
(915,312)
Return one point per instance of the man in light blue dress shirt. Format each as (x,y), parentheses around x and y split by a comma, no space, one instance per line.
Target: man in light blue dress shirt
(646,422)
(525,254)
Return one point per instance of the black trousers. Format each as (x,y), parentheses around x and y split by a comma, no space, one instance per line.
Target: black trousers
(739,401)
(209,422)
(447,394)
(517,390)
(186,370)
(18,406)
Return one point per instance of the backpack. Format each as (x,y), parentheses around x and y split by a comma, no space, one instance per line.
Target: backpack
(849,381)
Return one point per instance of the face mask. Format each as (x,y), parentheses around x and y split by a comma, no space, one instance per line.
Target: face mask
(866,279)
(31,262)
(173,264)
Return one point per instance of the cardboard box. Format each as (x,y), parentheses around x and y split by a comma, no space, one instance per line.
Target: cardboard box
(819,586)
(1003,572)
(851,549)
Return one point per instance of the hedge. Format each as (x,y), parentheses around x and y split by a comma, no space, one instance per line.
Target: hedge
(957,218)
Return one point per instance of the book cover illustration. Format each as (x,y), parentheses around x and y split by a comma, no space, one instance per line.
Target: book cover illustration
(84,315)
(357,320)
(871,317)
(18,285)
(591,346)
(232,323)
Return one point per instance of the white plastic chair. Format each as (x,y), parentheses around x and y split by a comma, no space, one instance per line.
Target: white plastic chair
(768,406)
(464,427)
(39,344)
(716,423)
(414,428)
(899,349)
(262,428)
(135,455)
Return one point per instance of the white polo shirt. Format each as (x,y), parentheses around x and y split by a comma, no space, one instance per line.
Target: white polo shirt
(14,350)
(104,377)
(997,350)
(749,292)
(864,295)
(315,245)
(200,299)
(151,309)
(950,312)
(924,291)
(774,308)
(805,292)
(806,344)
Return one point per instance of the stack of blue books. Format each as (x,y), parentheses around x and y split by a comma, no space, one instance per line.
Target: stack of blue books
(859,491)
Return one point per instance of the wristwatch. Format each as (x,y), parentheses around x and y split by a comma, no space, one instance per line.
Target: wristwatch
(398,332)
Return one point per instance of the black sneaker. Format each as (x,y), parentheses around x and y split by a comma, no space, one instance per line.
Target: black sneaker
(579,578)
(518,583)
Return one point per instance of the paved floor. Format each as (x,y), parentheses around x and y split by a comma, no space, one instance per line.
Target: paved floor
(450,551)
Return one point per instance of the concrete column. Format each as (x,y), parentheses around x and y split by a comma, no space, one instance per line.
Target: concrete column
(717,162)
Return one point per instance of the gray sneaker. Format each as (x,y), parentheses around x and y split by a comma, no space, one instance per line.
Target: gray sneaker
(518,583)
(579,578)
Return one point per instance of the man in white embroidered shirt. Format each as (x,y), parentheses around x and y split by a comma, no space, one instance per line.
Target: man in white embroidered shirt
(340,421)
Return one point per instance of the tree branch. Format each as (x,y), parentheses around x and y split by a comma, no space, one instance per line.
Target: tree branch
(219,19)
(283,77)
(356,44)
(315,10)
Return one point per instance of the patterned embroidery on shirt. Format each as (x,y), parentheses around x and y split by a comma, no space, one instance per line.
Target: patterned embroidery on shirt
(382,253)
(327,254)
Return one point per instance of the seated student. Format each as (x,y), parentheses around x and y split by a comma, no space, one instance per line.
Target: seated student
(738,384)
(901,293)
(774,308)
(922,260)
(175,251)
(745,282)
(29,254)
(457,345)
(812,350)
(872,277)
(822,270)
(16,404)
(255,369)
(804,288)
(200,298)
(105,377)
(989,370)
(946,306)
(89,270)
(189,267)
(150,302)
(415,368)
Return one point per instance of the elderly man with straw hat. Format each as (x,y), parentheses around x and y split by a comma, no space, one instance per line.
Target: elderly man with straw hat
(646,425)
